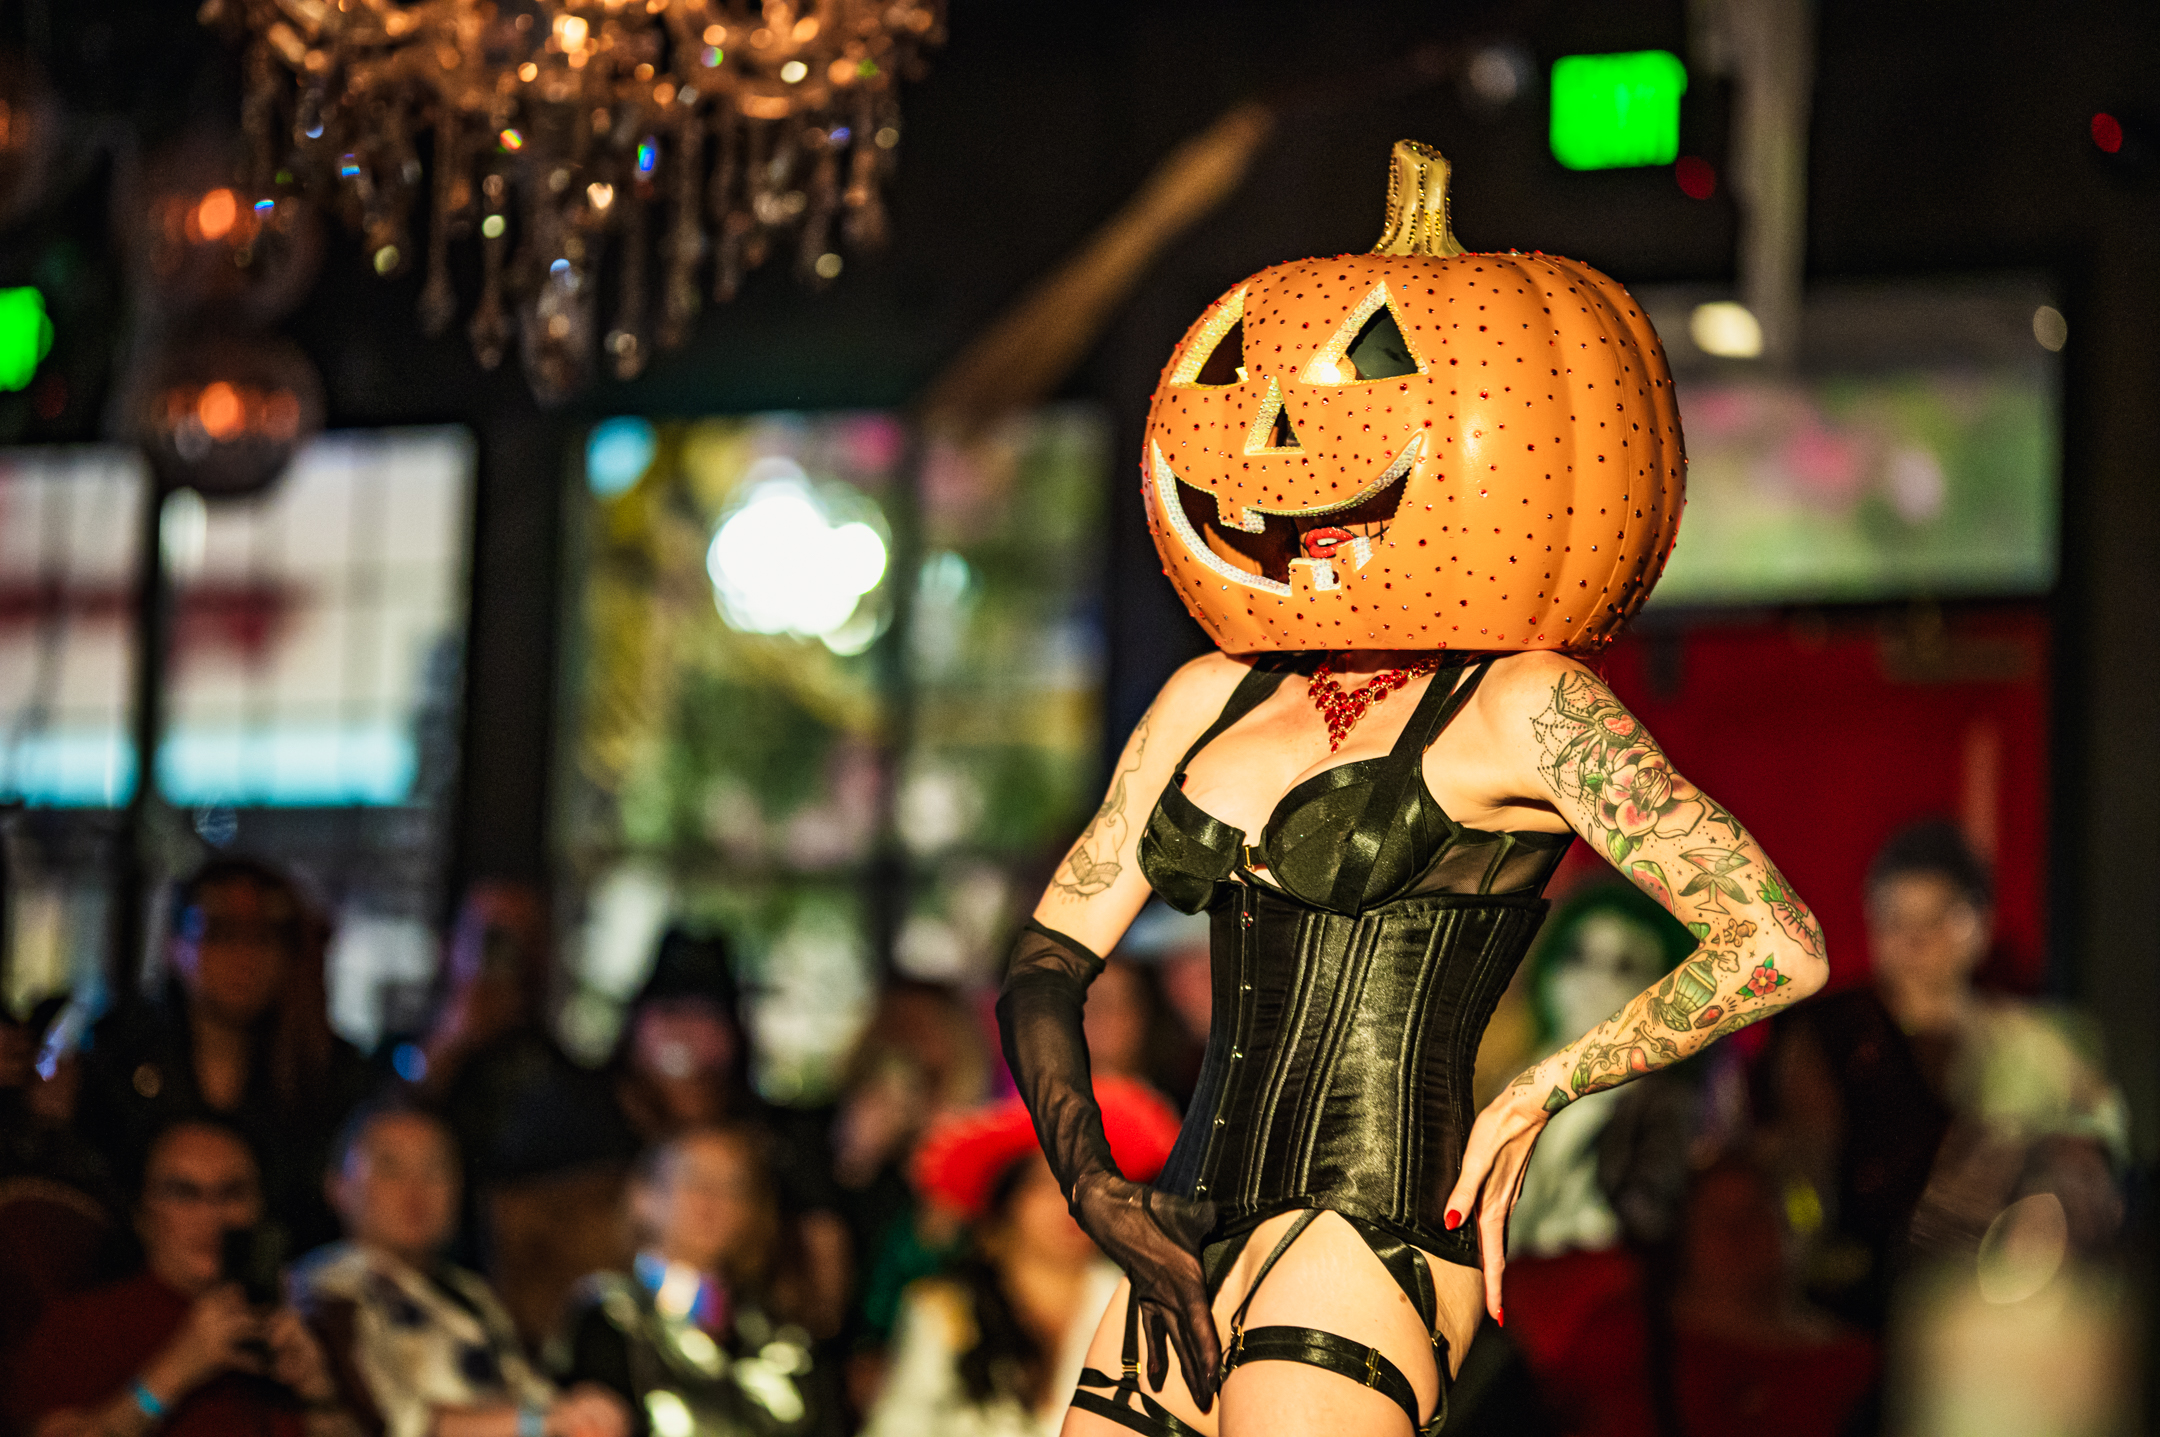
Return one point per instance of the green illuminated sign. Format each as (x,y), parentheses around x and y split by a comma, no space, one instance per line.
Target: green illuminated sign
(25,335)
(1611,111)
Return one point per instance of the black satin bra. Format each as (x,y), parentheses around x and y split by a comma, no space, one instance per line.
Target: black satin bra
(1351,837)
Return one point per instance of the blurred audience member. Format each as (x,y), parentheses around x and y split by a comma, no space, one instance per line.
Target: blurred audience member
(489,1054)
(1755,1361)
(490,1046)
(687,1337)
(1745,1357)
(1591,1240)
(1595,954)
(239,1026)
(178,1347)
(1171,951)
(995,1349)
(422,1348)
(57,1207)
(1917,1108)
(921,1057)
(682,1061)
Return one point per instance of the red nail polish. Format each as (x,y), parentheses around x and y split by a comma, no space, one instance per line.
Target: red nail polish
(1501,1317)
(1454,1219)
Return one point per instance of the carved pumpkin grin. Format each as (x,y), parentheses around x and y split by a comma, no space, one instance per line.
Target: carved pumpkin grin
(1264,546)
(1416,448)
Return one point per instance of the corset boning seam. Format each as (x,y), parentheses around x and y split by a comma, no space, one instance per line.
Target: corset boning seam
(1281,1053)
(1410,1144)
(1343,1004)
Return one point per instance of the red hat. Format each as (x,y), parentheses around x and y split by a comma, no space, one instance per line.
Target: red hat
(962,1157)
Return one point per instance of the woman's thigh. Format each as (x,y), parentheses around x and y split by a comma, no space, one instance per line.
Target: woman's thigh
(1328,1280)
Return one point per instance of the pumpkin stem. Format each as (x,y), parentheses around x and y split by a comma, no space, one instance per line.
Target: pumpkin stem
(1417,204)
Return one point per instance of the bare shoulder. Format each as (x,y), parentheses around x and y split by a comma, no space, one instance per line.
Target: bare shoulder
(1195,694)
(1522,685)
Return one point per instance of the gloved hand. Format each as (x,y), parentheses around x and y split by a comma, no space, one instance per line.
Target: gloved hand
(1156,1238)
(1153,1236)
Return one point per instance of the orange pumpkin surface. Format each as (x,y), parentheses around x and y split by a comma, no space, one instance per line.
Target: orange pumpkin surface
(1416,448)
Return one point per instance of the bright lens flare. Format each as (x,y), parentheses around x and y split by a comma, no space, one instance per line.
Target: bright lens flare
(780,565)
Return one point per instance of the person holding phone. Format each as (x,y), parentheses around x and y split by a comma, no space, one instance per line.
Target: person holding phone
(180,1348)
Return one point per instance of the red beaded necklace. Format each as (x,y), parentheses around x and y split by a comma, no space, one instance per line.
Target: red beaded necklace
(1342,709)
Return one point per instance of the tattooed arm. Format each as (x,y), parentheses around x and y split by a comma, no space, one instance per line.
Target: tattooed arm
(1097,890)
(1760,947)
(1572,748)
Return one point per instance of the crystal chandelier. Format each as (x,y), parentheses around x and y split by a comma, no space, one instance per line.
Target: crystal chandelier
(695,135)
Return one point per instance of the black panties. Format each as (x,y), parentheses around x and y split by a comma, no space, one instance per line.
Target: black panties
(1308,1345)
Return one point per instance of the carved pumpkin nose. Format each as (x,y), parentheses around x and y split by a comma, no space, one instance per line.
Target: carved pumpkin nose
(1284,435)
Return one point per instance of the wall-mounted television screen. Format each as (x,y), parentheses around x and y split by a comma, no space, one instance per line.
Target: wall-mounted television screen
(1912,450)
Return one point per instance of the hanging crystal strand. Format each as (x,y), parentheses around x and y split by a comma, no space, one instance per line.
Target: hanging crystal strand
(730,215)
(258,118)
(386,195)
(823,198)
(490,328)
(438,300)
(679,297)
(865,222)
(555,326)
(763,201)
(789,200)
(310,137)
(626,342)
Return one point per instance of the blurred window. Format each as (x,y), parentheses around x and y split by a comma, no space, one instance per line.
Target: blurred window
(318,627)
(69,518)
(313,682)
(830,697)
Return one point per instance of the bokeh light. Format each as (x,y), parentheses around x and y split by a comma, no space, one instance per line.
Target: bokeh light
(2107,132)
(26,335)
(2050,330)
(782,562)
(1725,329)
(617,455)
(1695,176)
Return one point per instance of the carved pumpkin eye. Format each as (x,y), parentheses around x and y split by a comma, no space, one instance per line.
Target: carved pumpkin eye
(1225,363)
(1379,351)
(1376,350)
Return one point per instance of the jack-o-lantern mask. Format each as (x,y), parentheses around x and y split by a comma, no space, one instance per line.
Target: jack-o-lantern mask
(1416,448)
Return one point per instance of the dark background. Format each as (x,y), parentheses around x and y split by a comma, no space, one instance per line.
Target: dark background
(1947,137)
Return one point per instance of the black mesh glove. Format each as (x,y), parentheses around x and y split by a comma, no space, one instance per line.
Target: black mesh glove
(1153,1236)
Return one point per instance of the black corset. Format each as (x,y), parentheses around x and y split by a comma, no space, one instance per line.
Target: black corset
(1338,1062)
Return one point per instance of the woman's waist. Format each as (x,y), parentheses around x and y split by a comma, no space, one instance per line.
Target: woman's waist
(1284,971)
(1237,1218)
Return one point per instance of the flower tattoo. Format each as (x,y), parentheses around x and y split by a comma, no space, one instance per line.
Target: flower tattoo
(1596,755)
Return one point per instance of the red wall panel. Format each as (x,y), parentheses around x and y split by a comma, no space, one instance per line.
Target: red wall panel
(1825,739)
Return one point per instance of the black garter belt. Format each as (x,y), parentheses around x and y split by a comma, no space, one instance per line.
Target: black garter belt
(1308,1345)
